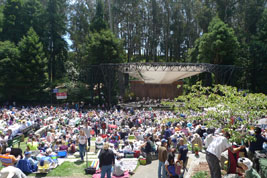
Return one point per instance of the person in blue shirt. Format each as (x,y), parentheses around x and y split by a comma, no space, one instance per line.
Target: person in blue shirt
(258,144)
(167,132)
(182,151)
(170,166)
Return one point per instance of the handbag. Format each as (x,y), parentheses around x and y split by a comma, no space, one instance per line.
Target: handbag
(90,170)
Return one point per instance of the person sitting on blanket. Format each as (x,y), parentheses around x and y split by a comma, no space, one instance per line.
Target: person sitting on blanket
(115,142)
(127,148)
(47,157)
(118,171)
(42,147)
(71,148)
(29,158)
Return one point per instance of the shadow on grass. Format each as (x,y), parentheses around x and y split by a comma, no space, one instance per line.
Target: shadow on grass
(41,175)
(79,162)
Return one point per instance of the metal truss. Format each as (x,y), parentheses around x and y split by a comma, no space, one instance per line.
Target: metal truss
(111,73)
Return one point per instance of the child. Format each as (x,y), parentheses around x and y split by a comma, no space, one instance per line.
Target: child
(171,166)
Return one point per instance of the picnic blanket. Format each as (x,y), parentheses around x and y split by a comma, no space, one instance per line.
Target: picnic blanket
(98,175)
(130,164)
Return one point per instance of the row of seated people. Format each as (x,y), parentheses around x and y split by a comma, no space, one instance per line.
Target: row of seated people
(30,161)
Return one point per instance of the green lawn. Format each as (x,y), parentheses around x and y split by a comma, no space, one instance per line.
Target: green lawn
(69,169)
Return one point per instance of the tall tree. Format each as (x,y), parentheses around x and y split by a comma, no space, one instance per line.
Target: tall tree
(9,53)
(219,45)
(12,26)
(55,44)
(32,67)
(79,24)
(33,16)
(98,22)
(258,50)
(1,17)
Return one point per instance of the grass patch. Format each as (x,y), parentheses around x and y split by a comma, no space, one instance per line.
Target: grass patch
(93,139)
(69,169)
(138,164)
(201,174)
(23,145)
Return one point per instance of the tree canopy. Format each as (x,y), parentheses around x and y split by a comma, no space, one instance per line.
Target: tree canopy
(76,33)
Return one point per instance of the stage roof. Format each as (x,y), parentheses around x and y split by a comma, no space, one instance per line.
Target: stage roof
(158,73)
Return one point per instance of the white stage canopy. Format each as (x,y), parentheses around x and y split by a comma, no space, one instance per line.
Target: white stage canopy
(163,74)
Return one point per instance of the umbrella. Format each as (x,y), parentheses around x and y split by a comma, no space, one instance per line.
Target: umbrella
(112,126)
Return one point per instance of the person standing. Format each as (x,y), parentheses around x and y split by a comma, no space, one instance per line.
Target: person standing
(162,152)
(214,151)
(183,150)
(87,130)
(82,139)
(106,160)
(258,144)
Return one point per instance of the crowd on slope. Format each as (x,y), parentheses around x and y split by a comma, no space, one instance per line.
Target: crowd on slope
(62,129)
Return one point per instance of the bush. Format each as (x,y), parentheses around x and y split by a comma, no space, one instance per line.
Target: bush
(201,174)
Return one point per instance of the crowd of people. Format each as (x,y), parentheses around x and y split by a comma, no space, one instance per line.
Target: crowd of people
(120,133)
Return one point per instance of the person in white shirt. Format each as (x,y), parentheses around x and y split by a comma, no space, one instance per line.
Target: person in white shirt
(208,140)
(214,151)
(87,130)
(82,139)
(118,171)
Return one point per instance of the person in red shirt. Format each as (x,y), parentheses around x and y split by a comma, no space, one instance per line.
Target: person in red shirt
(103,126)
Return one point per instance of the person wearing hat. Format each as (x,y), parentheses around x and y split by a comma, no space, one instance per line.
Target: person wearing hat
(245,168)
(28,157)
(106,160)
(162,153)
(8,159)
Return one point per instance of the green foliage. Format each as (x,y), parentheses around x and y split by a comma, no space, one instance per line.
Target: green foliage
(55,28)
(80,17)
(258,47)
(78,92)
(219,45)
(201,174)
(9,53)
(1,18)
(98,22)
(31,71)
(222,103)
(102,47)
(12,21)
(33,16)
